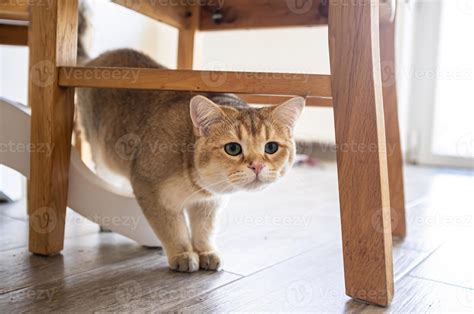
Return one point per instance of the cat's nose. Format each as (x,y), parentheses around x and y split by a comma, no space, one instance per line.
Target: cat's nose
(256,167)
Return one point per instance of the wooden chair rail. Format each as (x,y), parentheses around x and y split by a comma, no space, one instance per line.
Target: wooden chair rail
(13,35)
(199,81)
(14,10)
(234,14)
(311,101)
(174,14)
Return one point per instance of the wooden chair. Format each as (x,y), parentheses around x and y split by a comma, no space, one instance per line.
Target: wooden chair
(361,40)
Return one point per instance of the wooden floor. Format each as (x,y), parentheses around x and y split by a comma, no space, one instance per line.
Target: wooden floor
(282,252)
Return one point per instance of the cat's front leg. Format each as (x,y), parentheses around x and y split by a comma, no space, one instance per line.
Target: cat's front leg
(169,224)
(203,220)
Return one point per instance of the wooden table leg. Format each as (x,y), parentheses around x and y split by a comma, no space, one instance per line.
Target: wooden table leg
(361,150)
(392,130)
(53,42)
(186,38)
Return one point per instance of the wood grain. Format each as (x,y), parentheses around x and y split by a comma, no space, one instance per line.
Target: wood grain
(199,81)
(186,38)
(170,12)
(52,42)
(311,101)
(299,271)
(392,129)
(363,175)
(238,14)
(423,296)
(14,10)
(13,35)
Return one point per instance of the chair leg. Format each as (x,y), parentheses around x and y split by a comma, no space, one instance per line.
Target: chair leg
(392,130)
(361,154)
(53,42)
(186,40)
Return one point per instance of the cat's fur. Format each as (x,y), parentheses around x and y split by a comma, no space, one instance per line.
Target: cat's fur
(170,145)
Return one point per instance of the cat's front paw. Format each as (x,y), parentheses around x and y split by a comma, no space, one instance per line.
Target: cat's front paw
(186,262)
(210,261)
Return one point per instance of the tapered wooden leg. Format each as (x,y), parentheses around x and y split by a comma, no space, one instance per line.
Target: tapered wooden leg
(392,130)
(186,39)
(53,42)
(361,154)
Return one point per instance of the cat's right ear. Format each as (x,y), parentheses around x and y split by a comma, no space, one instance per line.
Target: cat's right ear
(204,113)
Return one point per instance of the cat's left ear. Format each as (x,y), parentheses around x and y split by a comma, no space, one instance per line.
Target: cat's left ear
(289,112)
(204,113)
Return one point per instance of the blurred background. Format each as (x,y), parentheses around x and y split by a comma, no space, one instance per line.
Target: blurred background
(434,68)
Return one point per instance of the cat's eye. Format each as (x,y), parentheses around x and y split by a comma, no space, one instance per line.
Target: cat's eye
(233,149)
(271,148)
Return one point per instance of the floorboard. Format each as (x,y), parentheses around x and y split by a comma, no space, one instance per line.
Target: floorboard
(281,249)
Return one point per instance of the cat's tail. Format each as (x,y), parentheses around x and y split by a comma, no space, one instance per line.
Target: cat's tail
(82,55)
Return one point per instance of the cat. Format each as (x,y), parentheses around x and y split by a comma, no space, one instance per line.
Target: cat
(182,152)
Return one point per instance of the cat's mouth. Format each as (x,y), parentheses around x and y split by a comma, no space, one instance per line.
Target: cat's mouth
(255,184)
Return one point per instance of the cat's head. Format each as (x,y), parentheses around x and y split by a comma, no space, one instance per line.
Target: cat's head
(243,148)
